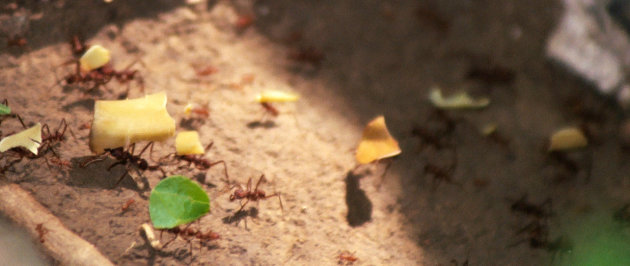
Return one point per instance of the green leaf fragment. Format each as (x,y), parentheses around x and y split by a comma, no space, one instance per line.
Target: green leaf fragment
(177,200)
(4,109)
(457,101)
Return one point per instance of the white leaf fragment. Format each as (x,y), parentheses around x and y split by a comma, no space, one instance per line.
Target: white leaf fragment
(29,139)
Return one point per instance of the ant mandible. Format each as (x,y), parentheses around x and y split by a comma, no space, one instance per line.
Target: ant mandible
(253,195)
(127,158)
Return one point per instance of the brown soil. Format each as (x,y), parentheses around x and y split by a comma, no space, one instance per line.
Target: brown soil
(380,57)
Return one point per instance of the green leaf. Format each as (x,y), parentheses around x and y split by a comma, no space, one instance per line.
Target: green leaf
(4,109)
(177,200)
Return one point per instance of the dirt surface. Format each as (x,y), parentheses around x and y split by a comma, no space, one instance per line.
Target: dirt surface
(379,57)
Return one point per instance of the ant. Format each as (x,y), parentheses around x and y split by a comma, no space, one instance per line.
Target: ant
(126,205)
(346,258)
(199,162)
(190,232)
(127,158)
(440,174)
(307,55)
(41,231)
(252,195)
(270,109)
(206,71)
(57,136)
(59,162)
(244,21)
(17,42)
(78,46)
(537,211)
(5,102)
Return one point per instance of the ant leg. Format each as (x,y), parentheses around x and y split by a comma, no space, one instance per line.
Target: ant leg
(168,242)
(21,121)
(277,194)
(145,148)
(116,163)
(262,177)
(65,126)
(97,158)
(243,206)
(121,178)
(47,130)
(227,177)
(209,146)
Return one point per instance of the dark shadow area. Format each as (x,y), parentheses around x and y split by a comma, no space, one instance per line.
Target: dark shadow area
(359,205)
(96,175)
(241,215)
(385,57)
(55,21)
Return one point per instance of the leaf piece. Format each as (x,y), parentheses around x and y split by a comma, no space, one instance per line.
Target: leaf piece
(177,200)
(459,100)
(95,57)
(271,96)
(120,123)
(29,139)
(376,142)
(567,139)
(187,143)
(4,109)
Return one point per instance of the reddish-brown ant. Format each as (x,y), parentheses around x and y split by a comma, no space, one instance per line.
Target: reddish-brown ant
(252,195)
(346,258)
(127,158)
(41,231)
(59,162)
(78,46)
(17,42)
(539,211)
(307,55)
(126,205)
(199,162)
(190,232)
(206,71)
(244,21)
(270,109)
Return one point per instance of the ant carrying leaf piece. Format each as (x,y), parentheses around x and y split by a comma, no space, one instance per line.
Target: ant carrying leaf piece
(177,200)
(567,139)
(196,109)
(460,100)
(29,139)
(120,123)
(376,142)
(188,143)
(267,97)
(95,57)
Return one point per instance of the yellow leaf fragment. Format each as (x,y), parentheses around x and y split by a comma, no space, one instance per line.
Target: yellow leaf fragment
(95,57)
(567,139)
(459,100)
(187,143)
(120,123)
(376,142)
(276,96)
(488,129)
(29,139)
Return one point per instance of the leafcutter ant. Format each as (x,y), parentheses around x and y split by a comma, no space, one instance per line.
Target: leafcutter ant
(539,211)
(346,258)
(128,159)
(206,71)
(199,162)
(270,109)
(244,21)
(307,55)
(252,195)
(188,232)
(41,231)
(126,205)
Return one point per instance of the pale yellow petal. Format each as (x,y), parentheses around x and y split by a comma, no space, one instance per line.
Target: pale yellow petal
(120,123)
(276,96)
(567,139)
(188,143)
(376,143)
(95,57)
(29,139)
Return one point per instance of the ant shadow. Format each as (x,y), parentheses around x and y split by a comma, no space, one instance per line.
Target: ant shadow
(96,175)
(359,205)
(267,124)
(192,123)
(87,104)
(241,215)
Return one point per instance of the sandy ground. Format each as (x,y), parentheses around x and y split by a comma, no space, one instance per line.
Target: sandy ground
(380,57)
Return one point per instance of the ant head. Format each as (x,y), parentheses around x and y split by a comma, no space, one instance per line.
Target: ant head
(142,164)
(260,193)
(117,152)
